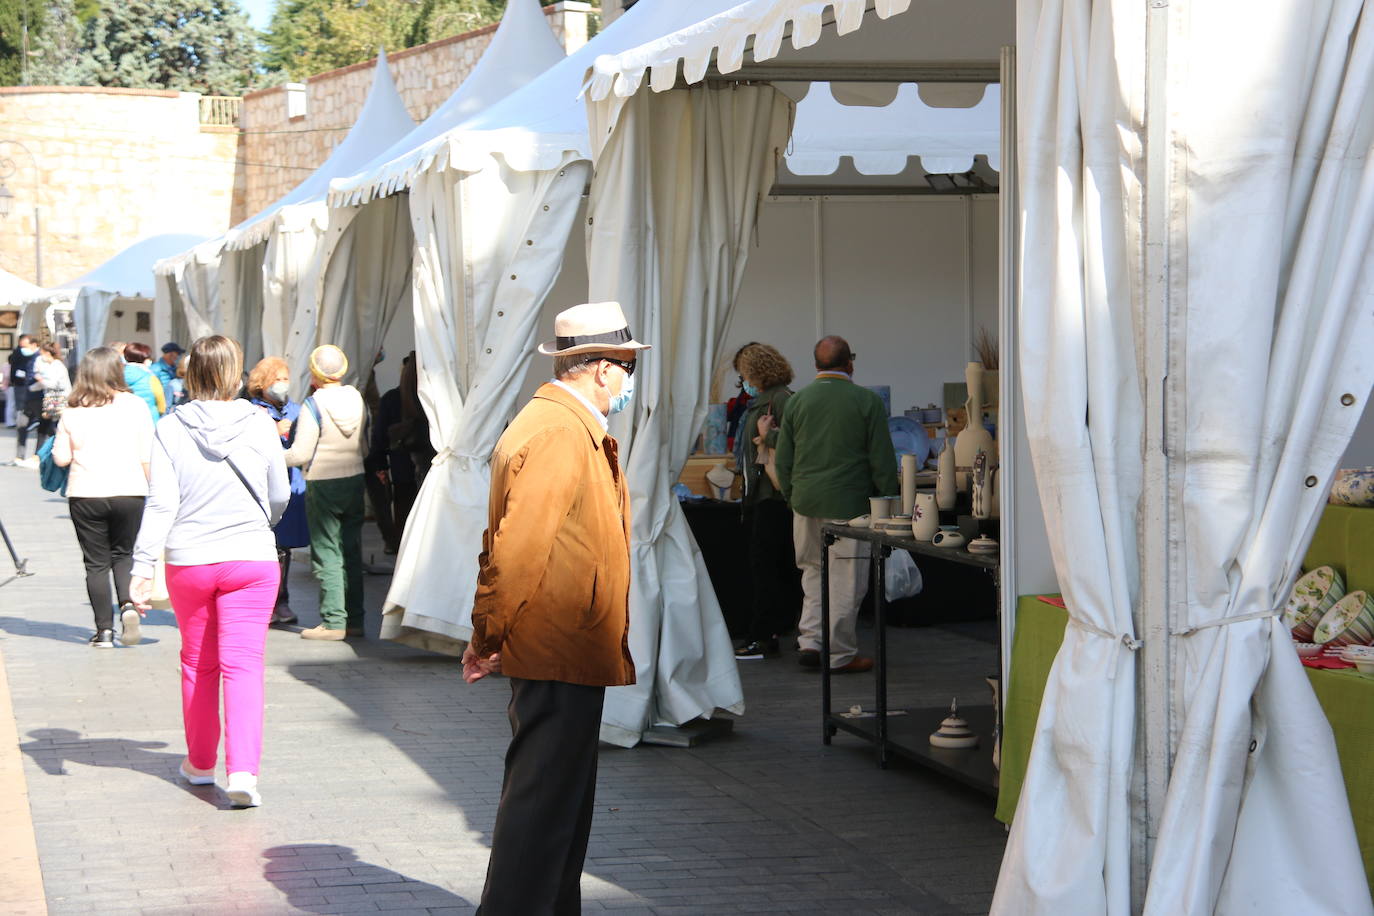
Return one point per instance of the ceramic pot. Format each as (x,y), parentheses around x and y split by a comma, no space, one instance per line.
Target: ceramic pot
(880,507)
(948,536)
(1349,622)
(925,517)
(973,438)
(946,491)
(1313,595)
(908,483)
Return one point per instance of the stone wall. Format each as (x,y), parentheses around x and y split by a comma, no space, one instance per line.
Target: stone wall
(280,151)
(112,166)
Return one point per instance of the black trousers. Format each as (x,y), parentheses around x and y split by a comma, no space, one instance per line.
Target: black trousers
(772,569)
(106,528)
(540,839)
(31,407)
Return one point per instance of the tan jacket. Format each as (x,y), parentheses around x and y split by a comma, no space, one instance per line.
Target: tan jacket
(553,582)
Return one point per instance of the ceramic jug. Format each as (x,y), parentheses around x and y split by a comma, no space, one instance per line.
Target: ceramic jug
(925,517)
(973,438)
(945,489)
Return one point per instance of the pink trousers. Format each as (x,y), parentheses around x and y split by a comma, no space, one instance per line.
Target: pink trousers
(223,610)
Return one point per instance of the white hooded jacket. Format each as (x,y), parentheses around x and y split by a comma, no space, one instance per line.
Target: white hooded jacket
(199,510)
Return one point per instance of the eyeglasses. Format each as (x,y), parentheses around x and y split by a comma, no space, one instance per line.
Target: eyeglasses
(627,365)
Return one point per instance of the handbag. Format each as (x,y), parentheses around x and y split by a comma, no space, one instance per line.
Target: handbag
(54,402)
(51,476)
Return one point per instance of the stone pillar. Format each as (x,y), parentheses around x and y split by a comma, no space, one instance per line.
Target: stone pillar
(569,21)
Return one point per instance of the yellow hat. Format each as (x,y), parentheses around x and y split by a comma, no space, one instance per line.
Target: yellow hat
(328,363)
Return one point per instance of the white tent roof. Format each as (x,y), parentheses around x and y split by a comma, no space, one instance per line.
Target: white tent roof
(522,48)
(881,139)
(533,126)
(128,274)
(16,290)
(722,34)
(383,119)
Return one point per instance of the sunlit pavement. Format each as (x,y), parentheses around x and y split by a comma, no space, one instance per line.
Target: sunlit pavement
(382,770)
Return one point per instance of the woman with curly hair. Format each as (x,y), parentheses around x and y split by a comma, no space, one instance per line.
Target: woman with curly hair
(764,375)
(269,386)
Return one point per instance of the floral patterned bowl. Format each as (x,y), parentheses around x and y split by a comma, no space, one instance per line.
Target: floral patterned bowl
(1353,487)
(1349,622)
(1308,649)
(1313,595)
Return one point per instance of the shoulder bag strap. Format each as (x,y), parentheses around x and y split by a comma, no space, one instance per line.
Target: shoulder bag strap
(319,428)
(237,473)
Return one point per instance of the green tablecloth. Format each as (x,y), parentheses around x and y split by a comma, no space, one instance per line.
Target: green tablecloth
(1345,696)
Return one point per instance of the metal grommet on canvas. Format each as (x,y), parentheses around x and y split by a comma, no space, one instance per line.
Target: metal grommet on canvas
(1253,745)
(1347,399)
(500,314)
(1311,481)
(512,276)
(488,351)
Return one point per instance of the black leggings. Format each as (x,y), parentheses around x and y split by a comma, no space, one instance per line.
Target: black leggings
(772,569)
(106,528)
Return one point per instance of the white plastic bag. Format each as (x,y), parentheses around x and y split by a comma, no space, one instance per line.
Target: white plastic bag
(901,577)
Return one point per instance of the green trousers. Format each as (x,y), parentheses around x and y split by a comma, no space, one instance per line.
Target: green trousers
(334,511)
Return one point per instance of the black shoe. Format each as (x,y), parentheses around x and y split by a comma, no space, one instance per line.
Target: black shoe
(768,648)
(282,616)
(103,639)
(809,658)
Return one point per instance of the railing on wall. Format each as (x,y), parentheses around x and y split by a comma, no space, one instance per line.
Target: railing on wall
(220,110)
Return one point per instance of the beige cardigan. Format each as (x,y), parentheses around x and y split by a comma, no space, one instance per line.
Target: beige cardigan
(338,450)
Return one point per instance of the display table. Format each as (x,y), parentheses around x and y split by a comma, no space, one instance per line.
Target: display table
(909,735)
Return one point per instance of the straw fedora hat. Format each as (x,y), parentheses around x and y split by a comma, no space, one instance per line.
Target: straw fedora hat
(593,327)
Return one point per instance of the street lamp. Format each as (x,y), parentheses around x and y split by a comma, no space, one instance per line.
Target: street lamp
(8,167)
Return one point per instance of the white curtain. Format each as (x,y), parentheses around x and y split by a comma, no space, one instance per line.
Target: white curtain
(1270,196)
(1276,180)
(91,315)
(188,296)
(488,247)
(1080,92)
(676,192)
(240,300)
(291,264)
(365,281)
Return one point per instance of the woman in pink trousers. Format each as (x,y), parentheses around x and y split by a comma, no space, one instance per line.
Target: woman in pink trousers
(217,486)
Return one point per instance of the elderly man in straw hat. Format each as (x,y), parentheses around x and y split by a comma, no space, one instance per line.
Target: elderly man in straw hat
(330,443)
(552,607)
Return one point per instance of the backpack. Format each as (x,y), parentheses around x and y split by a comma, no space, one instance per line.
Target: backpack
(51,477)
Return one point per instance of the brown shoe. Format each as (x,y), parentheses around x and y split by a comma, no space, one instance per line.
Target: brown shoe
(322,632)
(354,632)
(808,658)
(857,665)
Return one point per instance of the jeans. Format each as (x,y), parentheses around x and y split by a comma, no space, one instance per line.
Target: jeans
(334,509)
(222,611)
(106,528)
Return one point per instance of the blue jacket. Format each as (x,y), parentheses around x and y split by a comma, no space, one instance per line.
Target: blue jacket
(142,382)
(165,373)
(293,529)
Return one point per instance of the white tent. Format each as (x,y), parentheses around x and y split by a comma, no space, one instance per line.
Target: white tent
(259,282)
(127,275)
(16,290)
(1210,240)
(493,202)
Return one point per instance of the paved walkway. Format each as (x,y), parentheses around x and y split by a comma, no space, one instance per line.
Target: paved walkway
(382,770)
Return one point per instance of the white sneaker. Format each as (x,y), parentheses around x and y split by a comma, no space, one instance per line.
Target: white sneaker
(195,779)
(129,631)
(242,790)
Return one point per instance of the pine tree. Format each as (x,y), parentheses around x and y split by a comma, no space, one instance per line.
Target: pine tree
(60,55)
(15,17)
(191,45)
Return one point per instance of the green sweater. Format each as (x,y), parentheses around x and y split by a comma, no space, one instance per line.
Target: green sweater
(773,400)
(834,450)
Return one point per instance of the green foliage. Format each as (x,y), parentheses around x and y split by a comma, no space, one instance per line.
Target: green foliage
(311,36)
(193,45)
(59,56)
(14,14)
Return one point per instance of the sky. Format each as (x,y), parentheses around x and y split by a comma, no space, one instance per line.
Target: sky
(259,12)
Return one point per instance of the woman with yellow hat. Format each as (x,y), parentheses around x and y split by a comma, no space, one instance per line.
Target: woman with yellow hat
(330,443)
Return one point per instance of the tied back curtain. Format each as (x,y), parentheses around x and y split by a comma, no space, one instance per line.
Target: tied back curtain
(1272,121)
(488,247)
(1079,144)
(678,183)
(365,281)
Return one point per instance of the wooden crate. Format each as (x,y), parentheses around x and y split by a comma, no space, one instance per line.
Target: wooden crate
(694,475)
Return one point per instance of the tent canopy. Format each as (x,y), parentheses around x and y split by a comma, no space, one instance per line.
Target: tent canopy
(129,274)
(16,290)
(383,118)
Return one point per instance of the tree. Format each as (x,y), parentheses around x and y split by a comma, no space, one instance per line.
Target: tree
(311,36)
(191,45)
(60,56)
(17,17)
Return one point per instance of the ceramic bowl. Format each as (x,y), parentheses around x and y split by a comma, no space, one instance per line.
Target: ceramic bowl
(1351,653)
(1350,621)
(1353,487)
(1313,595)
(1308,649)
(1365,666)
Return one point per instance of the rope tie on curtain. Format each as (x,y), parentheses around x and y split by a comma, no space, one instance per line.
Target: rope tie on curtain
(1126,639)
(1225,621)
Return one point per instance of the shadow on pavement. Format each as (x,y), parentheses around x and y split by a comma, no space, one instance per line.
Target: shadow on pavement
(53,748)
(306,873)
(66,632)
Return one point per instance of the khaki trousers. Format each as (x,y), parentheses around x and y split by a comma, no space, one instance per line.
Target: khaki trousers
(849,574)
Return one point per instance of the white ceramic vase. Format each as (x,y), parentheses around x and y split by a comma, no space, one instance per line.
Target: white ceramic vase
(946,490)
(973,438)
(925,517)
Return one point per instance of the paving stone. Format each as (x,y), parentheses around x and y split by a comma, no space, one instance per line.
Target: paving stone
(382,772)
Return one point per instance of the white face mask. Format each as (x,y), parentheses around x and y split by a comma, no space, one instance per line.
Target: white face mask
(627,390)
(279,391)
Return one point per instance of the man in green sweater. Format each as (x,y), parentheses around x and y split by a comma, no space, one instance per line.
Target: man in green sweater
(834,452)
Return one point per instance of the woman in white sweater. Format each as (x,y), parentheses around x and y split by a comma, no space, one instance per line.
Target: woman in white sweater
(218,487)
(104,439)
